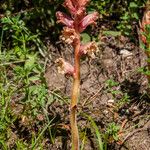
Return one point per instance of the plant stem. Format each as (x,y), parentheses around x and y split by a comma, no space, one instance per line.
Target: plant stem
(1,41)
(74,100)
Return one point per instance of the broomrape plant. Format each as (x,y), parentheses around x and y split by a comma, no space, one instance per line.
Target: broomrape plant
(145,39)
(75,23)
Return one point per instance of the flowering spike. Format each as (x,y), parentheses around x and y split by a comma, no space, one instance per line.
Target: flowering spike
(64,67)
(89,49)
(75,24)
(87,20)
(64,19)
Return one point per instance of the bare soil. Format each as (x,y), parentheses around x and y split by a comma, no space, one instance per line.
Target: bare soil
(119,59)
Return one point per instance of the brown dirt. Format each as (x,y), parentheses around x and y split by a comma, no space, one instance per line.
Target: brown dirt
(111,62)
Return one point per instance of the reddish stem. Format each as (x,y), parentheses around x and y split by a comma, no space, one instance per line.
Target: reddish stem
(74,99)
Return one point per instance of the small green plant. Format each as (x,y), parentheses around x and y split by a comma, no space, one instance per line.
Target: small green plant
(111,87)
(122,14)
(131,14)
(30,71)
(104,138)
(124,100)
(75,24)
(23,91)
(112,132)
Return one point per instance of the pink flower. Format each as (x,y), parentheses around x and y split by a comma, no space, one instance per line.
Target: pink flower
(64,67)
(87,20)
(64,19)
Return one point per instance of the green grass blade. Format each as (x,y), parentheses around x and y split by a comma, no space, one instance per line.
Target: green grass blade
(44,129)
(1,40)
(98,134)
(83,141)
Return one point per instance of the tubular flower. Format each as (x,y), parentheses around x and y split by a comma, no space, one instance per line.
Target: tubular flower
(87,20)
(69,35)
(64,19)
(89,49)
(64,67)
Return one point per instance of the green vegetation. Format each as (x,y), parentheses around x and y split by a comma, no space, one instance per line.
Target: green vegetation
(23,90)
